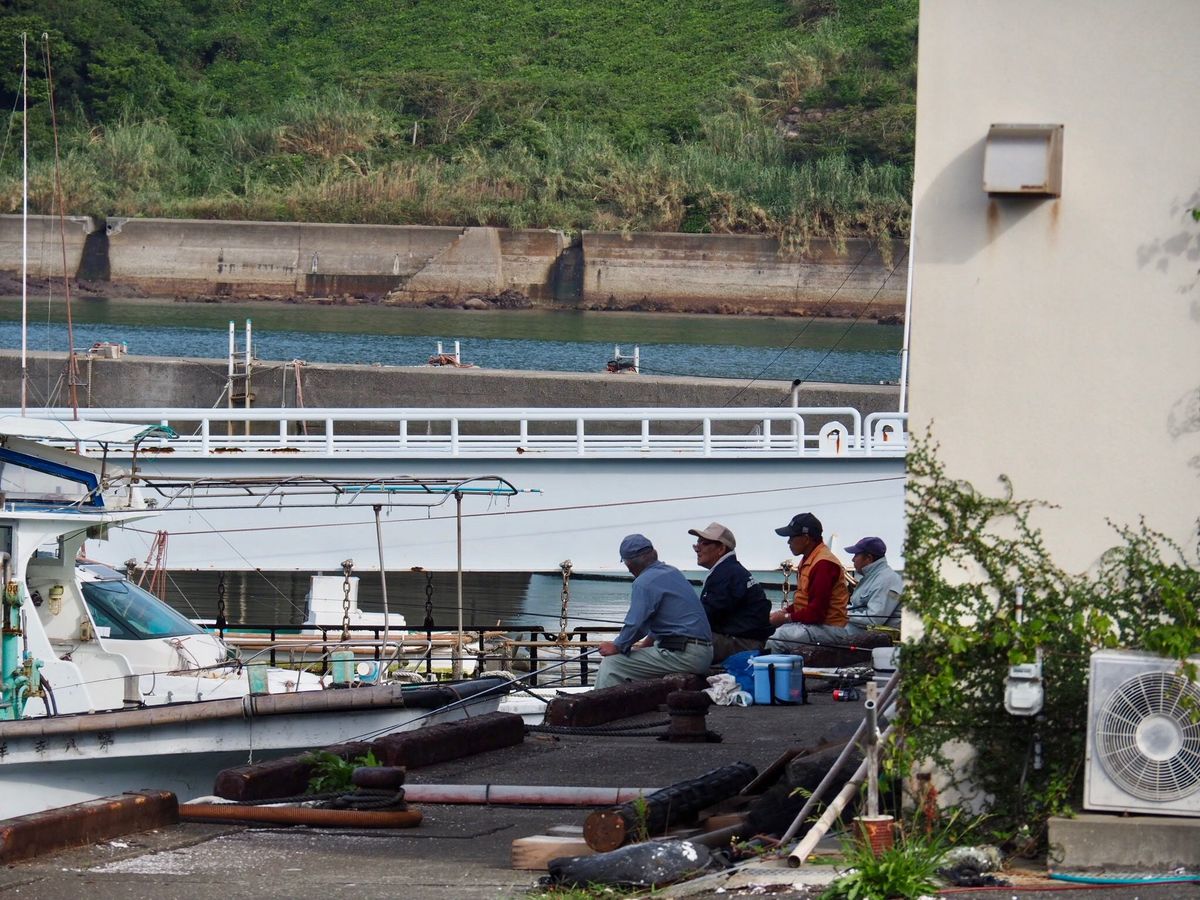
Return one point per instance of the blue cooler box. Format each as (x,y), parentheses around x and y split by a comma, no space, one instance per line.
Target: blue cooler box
(778,678)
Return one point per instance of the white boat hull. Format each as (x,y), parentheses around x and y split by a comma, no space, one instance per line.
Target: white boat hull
(583,510)
(58,761)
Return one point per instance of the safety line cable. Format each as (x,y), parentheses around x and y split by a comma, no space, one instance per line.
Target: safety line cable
(850,327)
(574,508)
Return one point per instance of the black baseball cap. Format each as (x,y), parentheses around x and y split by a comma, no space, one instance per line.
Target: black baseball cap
(804,523)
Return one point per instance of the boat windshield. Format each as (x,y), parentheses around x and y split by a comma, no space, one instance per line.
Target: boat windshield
(132,614)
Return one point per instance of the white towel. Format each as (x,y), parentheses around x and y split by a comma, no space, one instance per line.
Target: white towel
(724,691)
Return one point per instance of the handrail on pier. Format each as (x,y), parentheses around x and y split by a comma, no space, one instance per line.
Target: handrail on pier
(551,431)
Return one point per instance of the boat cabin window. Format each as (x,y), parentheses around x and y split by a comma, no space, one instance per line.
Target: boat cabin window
(132,614)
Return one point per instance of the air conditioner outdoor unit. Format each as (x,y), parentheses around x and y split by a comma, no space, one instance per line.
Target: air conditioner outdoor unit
(1143,737)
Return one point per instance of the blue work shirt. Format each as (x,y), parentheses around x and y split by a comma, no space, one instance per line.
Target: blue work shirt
(663,603)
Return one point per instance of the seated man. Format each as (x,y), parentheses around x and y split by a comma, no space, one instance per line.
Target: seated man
(818,611)
(875,601)
(737,608)
(665,616)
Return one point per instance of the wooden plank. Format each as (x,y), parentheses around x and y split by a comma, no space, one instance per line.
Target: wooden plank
(534,852)
(723,820)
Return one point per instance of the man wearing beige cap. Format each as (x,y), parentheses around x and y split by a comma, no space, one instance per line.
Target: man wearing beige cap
(738,609)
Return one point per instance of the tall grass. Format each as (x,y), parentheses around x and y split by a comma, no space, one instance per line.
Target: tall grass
(343,160)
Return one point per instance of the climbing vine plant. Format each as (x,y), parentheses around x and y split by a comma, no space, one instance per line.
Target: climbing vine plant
(966,556)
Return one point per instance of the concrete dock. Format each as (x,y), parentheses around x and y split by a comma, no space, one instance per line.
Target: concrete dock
(456,852)
(464,852)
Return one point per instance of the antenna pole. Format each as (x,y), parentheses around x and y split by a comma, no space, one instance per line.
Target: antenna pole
(24,219)
(912,249)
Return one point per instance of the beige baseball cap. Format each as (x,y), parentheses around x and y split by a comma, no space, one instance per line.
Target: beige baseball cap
(715,531)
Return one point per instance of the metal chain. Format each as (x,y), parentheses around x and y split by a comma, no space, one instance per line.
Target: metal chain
(347,568)
(428,600)
(222,622)
(787,567)
(565,565)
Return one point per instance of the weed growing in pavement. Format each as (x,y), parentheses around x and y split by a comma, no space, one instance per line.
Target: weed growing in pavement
(641,822)
(331,773)
(908,869)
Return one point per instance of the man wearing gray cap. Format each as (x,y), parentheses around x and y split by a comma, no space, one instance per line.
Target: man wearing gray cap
(666,630)
(876,598)
(738,610)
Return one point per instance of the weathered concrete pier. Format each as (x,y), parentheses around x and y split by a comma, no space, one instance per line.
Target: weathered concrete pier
(139,381)
(416,264)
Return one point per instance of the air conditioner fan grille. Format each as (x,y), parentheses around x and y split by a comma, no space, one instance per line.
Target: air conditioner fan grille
(1147,736)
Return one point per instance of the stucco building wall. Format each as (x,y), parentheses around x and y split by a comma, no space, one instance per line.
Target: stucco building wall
(1057,340)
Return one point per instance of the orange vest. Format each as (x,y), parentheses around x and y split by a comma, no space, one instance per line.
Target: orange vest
(840,595)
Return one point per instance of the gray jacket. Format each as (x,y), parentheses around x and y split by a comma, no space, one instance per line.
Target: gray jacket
(876,600)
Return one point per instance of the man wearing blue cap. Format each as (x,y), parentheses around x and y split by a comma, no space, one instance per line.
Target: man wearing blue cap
(876,599)
(666,630)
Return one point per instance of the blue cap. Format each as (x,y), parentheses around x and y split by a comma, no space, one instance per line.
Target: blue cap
(872,545)
(634,546)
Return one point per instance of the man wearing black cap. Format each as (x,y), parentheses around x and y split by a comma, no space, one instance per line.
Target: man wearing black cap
(738,610)
(665,631)
(817,613)
(876,598)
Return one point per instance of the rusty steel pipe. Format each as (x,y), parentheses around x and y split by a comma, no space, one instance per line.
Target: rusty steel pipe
(300,815)
(520,794)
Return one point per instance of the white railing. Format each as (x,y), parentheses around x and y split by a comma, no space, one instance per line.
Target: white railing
(468,432)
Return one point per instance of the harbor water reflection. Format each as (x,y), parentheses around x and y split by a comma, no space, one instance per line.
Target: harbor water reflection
(837,350)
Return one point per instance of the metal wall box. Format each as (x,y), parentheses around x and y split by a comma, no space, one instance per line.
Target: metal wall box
(1023,160)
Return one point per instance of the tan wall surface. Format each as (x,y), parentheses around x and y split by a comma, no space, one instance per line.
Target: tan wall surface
(1058,340)
(45,244)
(741,272)
(414,264)
(161,254)
(371,249)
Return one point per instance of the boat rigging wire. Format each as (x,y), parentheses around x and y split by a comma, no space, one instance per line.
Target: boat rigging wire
(553,509)
(848,328)
(24,222)
(72,358)
(799,334)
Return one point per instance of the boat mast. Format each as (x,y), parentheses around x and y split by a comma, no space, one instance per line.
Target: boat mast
(72,359)
(24,219)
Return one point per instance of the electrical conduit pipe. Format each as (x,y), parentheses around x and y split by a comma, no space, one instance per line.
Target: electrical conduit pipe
(300,815)
(885,697)
(537,795)
(796,857)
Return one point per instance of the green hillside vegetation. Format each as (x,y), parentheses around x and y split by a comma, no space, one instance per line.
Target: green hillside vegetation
(756,116)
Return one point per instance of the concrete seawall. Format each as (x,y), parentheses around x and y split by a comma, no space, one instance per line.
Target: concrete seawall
(142,381)
(413,265)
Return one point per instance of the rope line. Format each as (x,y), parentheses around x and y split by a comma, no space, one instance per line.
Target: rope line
(572,508)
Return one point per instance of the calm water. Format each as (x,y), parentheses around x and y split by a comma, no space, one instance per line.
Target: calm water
(717,346)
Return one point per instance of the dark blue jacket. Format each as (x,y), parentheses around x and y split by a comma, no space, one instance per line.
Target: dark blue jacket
(735,603)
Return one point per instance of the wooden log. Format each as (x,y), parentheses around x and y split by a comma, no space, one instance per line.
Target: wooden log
(284,777)
(534,852)
(617,702)
(609,829)
(452,740)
